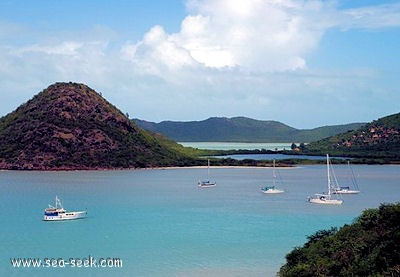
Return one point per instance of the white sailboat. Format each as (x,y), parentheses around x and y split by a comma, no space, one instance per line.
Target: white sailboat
(58,213)
(272,189)
(207,183)
(347,189)
(326,198)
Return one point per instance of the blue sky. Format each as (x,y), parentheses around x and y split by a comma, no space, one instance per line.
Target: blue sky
(306,63)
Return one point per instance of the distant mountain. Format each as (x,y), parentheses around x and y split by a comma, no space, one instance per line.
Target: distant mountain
(240,129)
(70,126)
(378,139)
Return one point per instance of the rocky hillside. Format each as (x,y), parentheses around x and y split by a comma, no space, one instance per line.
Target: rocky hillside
(70,126)
(378,139)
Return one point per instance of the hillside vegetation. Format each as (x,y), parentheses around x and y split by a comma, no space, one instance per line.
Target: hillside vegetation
(240,129)
(70,126)
(379,139)
(368,247)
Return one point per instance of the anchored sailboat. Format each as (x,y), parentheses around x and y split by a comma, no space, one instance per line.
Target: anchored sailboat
(272,189)
(326,198)
(347,189)
(207,183)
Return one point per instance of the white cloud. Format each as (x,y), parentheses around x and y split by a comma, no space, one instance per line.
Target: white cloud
(229,58)
(373,17)
(67,48)
(253,35)
(155,51)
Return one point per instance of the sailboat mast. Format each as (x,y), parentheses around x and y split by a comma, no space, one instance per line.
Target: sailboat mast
(208,168)
(329,177)
(273,174)
(352,176)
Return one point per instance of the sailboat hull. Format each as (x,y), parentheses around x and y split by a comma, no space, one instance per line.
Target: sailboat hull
(272,191)
(206,184)
(325,201)
(346,191)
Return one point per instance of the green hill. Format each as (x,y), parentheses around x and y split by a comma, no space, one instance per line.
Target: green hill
(379,139)
(70,126)
(240,129)
(368,247)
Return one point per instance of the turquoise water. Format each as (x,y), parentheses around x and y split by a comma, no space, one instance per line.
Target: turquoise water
(160,224)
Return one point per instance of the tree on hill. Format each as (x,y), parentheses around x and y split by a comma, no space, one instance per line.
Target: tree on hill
(368,247)
(379,139)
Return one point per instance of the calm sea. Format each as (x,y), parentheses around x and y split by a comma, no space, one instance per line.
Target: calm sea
(159,223)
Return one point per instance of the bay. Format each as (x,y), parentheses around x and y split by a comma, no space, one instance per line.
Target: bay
(159,223)
(275,157)
(238,145)
(252,146)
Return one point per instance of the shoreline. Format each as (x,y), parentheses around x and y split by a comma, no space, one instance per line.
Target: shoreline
(150,168)
(169,167)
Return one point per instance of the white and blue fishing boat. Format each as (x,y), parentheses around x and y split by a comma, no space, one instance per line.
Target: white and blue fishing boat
(57,213)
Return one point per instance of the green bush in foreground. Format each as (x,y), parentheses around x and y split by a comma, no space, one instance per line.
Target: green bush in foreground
(368,247)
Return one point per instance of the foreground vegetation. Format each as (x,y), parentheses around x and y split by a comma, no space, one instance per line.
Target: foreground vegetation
(368,247)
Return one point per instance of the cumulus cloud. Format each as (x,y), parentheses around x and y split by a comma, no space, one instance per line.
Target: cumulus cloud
(228,58)
(253,35)
(156,51)
(251,56)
